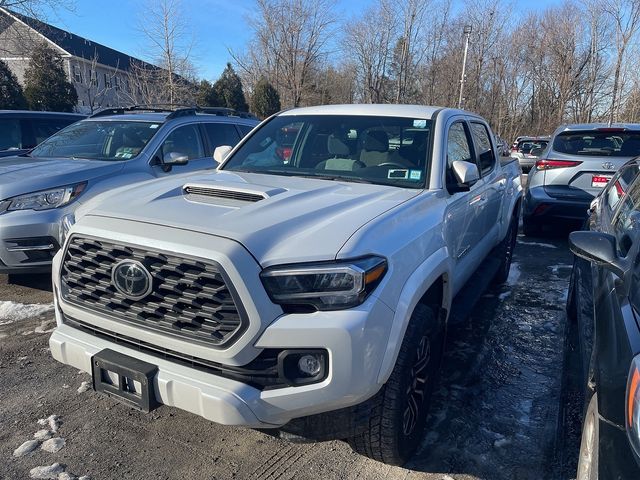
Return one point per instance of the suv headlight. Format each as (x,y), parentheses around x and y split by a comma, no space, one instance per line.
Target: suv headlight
(324,286)
(44,199)
(632,405)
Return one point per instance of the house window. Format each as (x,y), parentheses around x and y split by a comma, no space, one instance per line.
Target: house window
(94,78)
(77,74)
(116,83)
(107,81)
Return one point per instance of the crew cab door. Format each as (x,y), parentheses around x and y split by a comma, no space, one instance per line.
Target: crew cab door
(493,179)
(464,221)
(184,141)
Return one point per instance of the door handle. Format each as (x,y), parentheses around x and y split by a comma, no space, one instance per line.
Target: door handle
(478,199)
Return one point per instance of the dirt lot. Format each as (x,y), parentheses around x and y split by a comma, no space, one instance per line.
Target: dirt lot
(495,414)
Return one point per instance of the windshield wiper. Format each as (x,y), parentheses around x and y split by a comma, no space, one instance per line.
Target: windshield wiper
(339,178)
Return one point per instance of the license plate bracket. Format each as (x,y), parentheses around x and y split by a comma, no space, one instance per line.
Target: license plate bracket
(124,378)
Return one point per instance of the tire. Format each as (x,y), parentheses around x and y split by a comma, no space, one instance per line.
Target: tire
(531,228)
(504,251)
(399,410)
(588,458)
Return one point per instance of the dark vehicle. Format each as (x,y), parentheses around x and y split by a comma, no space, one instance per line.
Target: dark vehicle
(604,300)
(21,130)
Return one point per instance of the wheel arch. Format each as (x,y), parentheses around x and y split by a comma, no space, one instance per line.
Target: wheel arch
(430,283)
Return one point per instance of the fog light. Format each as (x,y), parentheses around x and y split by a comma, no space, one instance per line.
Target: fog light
(309,365)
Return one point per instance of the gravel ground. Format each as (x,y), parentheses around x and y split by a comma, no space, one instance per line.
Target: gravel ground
(494,416)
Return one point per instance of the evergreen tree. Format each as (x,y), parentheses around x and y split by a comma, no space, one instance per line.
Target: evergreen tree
(46,84)
(265,100)
(228,90)
(206,95)
(11,95)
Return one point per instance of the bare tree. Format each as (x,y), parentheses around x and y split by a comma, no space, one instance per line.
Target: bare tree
(95,93)
(289,43)
(170,43)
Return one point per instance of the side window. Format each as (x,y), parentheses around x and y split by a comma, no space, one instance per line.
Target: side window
(183,141)
(221,134)
(619,185)
(486,157)
(244,129)
(10,136)
(458,149)
(626,220)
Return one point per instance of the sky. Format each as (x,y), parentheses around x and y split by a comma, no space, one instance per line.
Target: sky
(217,26)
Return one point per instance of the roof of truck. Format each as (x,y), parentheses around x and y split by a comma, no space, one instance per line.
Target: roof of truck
(599,126)
(409,111)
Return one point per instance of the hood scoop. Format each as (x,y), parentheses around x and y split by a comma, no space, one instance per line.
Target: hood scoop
(226,194)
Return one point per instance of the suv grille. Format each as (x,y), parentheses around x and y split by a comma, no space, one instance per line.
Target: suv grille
(189,298)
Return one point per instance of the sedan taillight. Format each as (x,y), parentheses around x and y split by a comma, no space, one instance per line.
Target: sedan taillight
(548,164)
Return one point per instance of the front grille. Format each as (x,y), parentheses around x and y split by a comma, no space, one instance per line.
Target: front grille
(239,195)
(189,298)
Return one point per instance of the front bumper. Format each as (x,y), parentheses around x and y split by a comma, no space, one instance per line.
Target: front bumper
(615,459)
(354,339)
(29,240)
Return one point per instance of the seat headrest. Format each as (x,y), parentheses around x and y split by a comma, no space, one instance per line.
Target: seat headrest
(336,147)
(376,141)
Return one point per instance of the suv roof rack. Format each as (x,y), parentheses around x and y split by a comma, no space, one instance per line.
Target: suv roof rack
(175,111)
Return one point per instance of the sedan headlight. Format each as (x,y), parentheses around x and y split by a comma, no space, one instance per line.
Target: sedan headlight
(44,199)
(632,405)
(324,286)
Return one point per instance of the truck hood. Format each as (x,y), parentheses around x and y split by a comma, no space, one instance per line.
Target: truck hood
(20,175)
(285,219)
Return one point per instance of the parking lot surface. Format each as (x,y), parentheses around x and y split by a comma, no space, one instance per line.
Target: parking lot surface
(495,415)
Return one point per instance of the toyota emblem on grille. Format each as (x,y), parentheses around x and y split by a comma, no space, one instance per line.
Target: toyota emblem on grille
(608,166)
(132,279)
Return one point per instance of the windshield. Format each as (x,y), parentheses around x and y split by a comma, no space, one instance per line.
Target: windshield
(611,143)
(381,150)
(98,140)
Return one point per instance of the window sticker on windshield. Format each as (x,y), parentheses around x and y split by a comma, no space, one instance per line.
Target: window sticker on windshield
(419,123)
(154,125)
(415,174)
(398,173)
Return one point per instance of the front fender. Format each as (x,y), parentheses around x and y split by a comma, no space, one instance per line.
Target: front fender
(423,277)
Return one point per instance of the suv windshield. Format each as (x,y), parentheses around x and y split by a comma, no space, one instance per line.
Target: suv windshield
(612,143)
(352,148)
(98,140)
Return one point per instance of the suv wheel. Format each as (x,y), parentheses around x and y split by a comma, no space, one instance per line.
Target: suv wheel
(504,251)
(588,458)
(399,409)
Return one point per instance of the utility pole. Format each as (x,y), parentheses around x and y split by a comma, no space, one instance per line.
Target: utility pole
(467,34)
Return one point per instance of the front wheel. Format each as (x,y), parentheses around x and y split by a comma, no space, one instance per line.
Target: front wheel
(588,458)
(399,409)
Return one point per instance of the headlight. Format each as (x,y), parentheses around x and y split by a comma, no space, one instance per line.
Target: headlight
(324,286)
(632,405)
(44,199)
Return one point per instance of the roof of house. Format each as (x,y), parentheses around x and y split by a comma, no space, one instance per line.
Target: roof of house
(79,46)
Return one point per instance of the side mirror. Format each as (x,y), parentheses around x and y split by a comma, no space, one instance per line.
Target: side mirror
(599,248)
(466,173)
(221,152)
(175,158)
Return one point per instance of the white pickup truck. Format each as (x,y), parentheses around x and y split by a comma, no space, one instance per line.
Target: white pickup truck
(304,285)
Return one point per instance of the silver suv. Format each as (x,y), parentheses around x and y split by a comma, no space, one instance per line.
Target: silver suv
(573,169)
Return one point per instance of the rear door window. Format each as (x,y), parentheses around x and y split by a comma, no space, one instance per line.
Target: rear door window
(458,149)
(598,143)
(244,129)
(625,223)
(183,141)
(221,134)
(619,185)
(486,158)
(10,134)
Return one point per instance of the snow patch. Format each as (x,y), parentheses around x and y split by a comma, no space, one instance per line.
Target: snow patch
(502,442)
(66,476)
(43,435)
(43,327)
(13,312)
(53,445)
(503,296)
(53,421)
(47,472)
(84,386)
(555,269)
(27,447)
(514,274)
(537,244)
